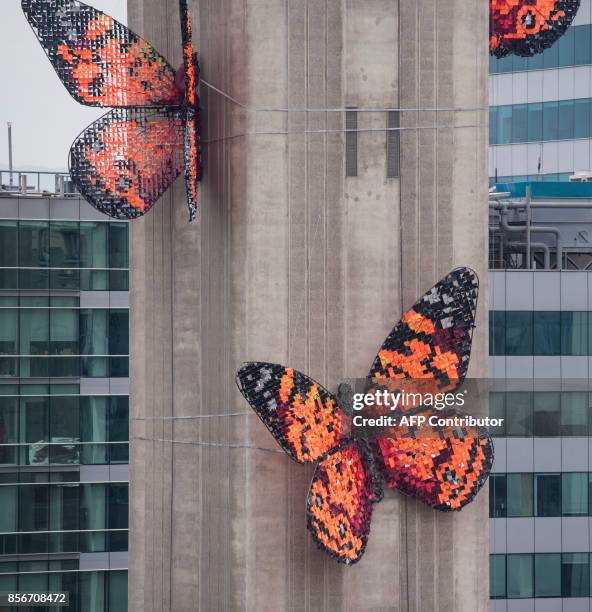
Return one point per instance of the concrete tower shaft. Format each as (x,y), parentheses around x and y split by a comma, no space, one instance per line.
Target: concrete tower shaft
(308,245)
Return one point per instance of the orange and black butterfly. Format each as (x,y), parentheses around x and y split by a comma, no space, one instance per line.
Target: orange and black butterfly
(126,159)
(445,469)
(528,27)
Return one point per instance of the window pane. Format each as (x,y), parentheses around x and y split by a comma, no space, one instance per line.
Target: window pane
(34,332)
(566,48)
(582,118)
(64,427)
(64,331)
(519,495)
(117,591)
(119,428)
(574,336)
(9,505)
(519,123)
(550,120)
(34,253)
(504,124)
(34,428)
(535,122)
(547,410)
(575,575)
(548,494)
(497,332)
(547,575)
(63,507)
(94,332)
(551,57)
(8,259)
(519,414)
(8,430)
(497,576)
(93,245)
(92,591)
(519,339)
(64,254)
(547,333)
(118,245)
(8,341)
(93,417)
(118,332)
(497,496)
(492,125)
(574,414)
(33,507)
(582,50)
(497,410)
(93,505)
(574,494)
(520,576)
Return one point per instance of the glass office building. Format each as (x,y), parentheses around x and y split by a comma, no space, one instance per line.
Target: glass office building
(63,399)
(540,345)
(541,109)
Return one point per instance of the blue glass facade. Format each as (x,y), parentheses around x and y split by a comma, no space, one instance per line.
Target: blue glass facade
(63,404)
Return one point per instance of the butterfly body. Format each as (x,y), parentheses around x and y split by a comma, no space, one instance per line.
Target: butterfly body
(445,468)
(126,160)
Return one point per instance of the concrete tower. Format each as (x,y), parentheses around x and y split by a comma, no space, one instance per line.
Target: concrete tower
(309,244)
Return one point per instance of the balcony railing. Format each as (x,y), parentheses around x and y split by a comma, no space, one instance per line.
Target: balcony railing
(32,183)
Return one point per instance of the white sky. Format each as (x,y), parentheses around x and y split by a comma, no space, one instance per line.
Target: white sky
(45,118)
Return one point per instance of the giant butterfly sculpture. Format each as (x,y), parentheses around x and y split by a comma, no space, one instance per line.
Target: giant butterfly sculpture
(126,159)
(528,27)
(445,469)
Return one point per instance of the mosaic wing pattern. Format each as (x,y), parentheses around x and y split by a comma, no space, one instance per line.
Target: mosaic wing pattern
(444,469)
(303,417)
(339,503)
(528,27)
(100,61)
(127,159)
(431,344)
(192,117)
(433,339)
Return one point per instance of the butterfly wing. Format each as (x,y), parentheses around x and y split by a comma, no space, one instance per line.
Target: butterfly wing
(339,503)
(127,159)
(432,341)
(444,468)
(99,60)
(192,146)
(305,419)
(528,27)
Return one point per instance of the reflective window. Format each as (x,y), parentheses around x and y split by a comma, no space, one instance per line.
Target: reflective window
(497,576)
(547,494)
(574,413)
(519,495)
(547,575)
(574,494)
(520,575)
(519,414)
(539,333)
(575,575)
(64,255)
(547,413)
(519,333)
(497,496)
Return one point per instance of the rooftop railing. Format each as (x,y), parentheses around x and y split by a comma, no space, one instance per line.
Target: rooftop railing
(31,183)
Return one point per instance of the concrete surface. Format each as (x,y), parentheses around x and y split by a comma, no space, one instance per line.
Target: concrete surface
(290,261)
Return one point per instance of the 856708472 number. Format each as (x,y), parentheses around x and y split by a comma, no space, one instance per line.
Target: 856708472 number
(35,599)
